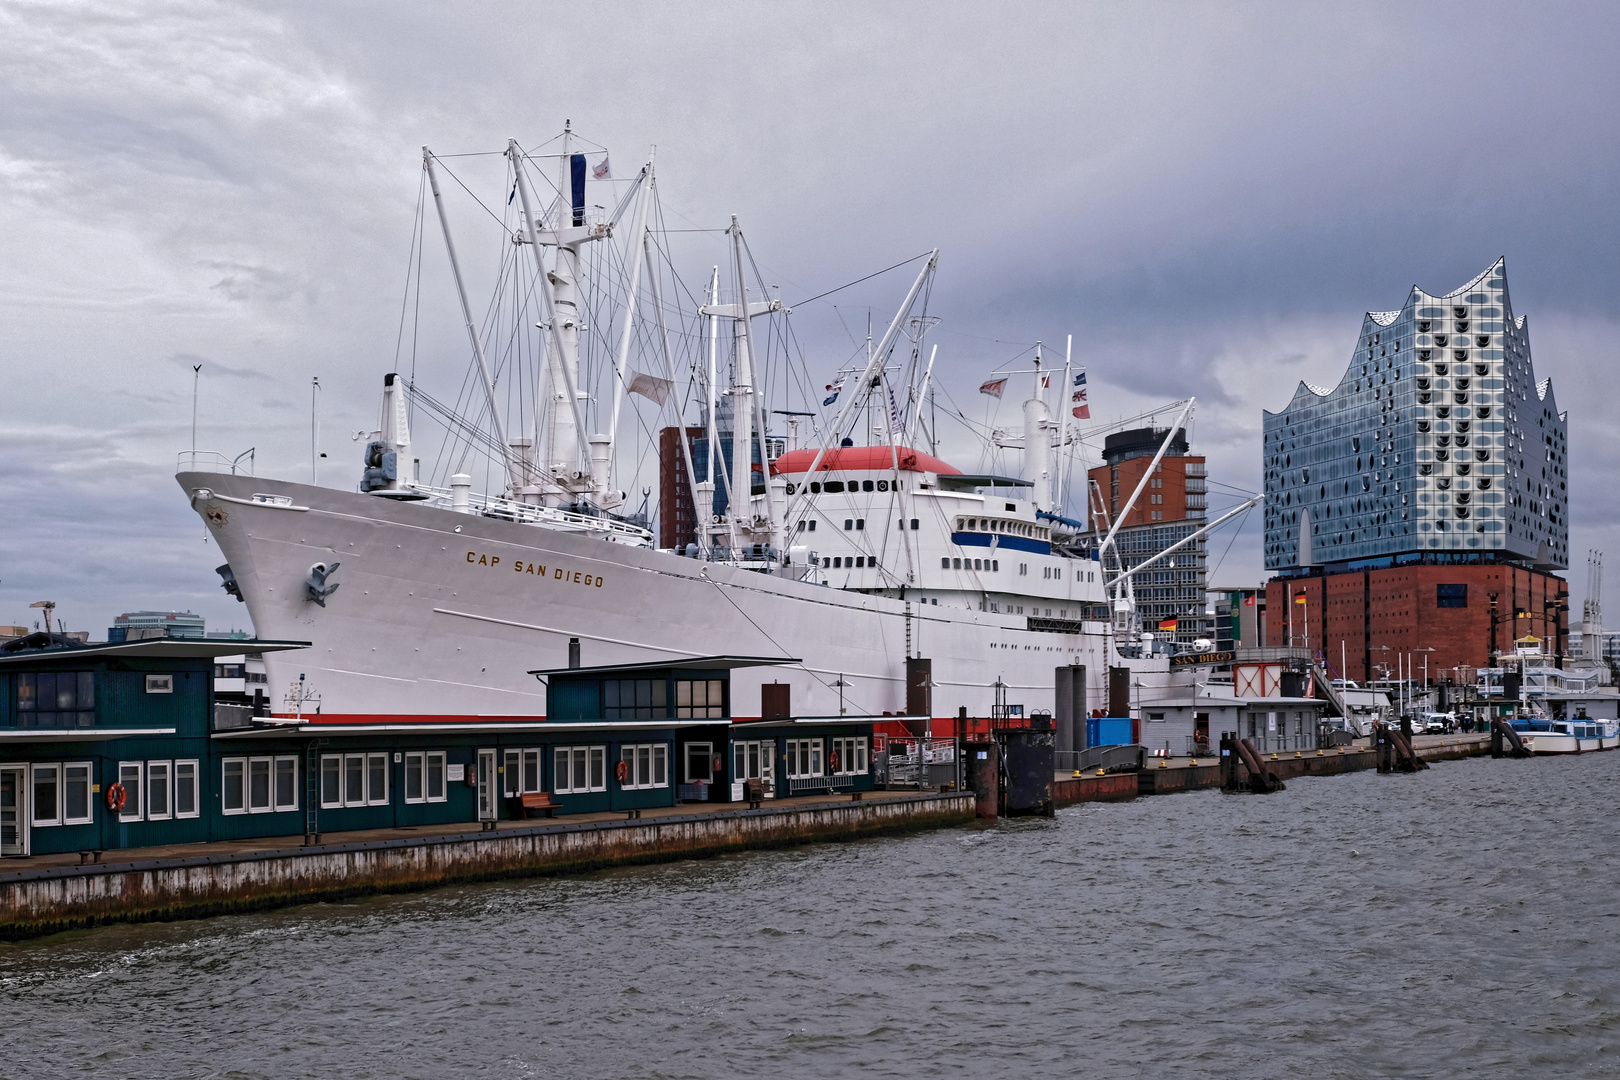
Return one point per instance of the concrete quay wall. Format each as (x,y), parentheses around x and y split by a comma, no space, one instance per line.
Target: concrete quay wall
(44,901)
(1067,791)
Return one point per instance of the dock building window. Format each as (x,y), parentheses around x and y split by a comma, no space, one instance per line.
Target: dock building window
(851,756)
(424,776)
(61,793)
(702,698)
(159,806)
(804,758)
(185,789)
(258,785)
(579,769)
(56,699)
(646,765)
(130,774)
(520,773)
(47,795)
(354,780)
(633,699)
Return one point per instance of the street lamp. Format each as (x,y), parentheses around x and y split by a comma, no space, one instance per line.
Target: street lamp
(1425,653)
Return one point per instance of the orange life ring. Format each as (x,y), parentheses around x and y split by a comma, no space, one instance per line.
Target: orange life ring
(832,761)
(116,798)
(622,770)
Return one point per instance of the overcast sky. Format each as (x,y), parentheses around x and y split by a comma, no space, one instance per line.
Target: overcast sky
(1206,196)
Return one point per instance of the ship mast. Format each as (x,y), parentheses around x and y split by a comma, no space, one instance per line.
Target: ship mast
(467,317)
(744,408)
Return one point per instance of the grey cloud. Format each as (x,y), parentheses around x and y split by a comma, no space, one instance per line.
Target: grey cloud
(1207,197)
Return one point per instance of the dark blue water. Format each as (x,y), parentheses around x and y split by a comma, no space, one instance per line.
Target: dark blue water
(1463,921)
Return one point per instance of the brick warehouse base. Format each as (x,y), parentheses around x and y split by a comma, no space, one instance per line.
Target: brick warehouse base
(1354,614)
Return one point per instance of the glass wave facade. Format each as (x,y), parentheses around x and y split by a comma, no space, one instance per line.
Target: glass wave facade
(1437,440)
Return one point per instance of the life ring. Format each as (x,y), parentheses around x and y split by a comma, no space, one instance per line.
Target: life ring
(117,797)
(832,761)
(621,771)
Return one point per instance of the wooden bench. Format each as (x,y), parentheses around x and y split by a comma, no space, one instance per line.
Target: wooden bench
(754,793)
(538,800)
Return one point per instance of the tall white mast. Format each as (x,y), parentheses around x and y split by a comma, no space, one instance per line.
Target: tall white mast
(1065,400)
(495,419)
(743,407)
(705,512)
(556,460)
(636,234)
(1038,442)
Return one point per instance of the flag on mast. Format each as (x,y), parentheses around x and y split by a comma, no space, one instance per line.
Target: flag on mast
(1167,624)
(994,387)
(601,170)
(1081,407)
(835,388)
(650,387)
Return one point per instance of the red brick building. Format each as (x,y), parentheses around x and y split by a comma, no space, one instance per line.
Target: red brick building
(677,522)
(1361,619)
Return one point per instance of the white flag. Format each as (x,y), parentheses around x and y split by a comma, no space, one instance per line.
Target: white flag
(601,173)
(651,387)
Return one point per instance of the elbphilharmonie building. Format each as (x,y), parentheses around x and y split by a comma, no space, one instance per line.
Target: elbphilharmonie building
(1438,443)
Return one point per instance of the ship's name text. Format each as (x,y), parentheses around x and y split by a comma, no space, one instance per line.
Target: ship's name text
(557,573)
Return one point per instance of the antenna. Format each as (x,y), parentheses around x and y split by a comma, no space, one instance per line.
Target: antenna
(196,374)
(314,430)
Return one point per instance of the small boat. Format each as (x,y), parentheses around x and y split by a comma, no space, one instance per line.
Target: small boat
(1577,736)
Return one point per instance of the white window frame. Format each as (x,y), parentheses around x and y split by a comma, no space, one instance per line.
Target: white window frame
(160,684)
(415,766)
(267,766)
(89,792)
(195,772)
(54,767)
(589,758)
(372,797)
(429,760)
(225,808)
(332,763)
(275,790)
(852,758)
(168,794)
(811,752)
(421,763)
(135,793)
(649,765)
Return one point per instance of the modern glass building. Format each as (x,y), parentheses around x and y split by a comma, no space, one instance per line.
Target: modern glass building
(1438,441)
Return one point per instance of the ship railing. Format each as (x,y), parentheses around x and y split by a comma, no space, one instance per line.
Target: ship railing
(493,506)
(208,461)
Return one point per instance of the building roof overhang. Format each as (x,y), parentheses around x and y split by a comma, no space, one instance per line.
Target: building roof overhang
(11,736)
(152,649)
(688,663)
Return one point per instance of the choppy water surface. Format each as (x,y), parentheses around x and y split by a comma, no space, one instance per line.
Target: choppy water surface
(1459,921)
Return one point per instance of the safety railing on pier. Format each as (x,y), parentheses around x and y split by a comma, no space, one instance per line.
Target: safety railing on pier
(1107,758)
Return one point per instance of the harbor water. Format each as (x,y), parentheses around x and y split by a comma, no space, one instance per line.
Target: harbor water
(1461,921)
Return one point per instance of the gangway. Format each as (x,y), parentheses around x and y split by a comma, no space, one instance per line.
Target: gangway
(1319,675)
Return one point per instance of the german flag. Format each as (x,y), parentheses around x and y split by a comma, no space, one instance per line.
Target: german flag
(1167,624)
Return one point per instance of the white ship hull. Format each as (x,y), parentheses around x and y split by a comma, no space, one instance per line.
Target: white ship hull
(442,614)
